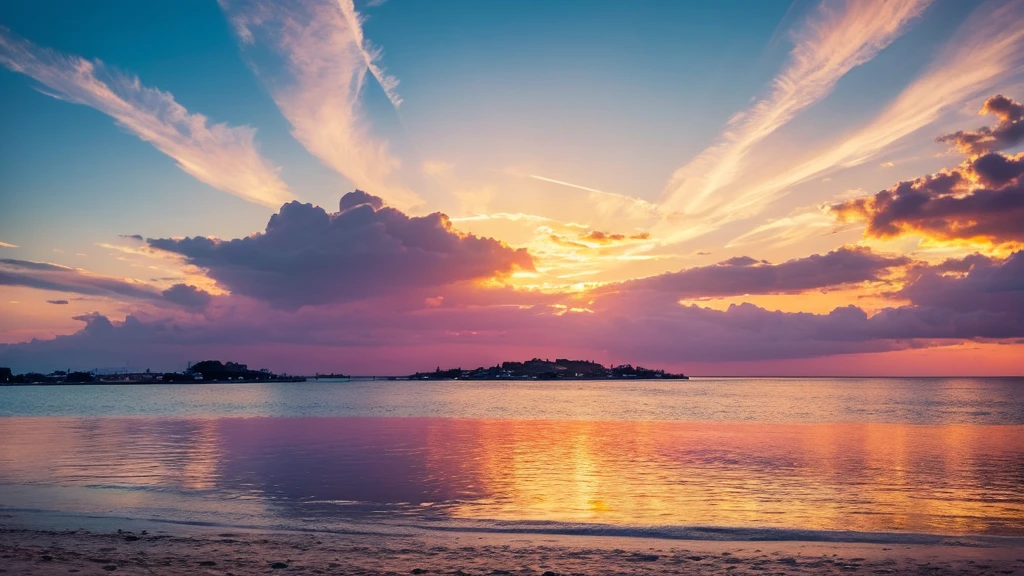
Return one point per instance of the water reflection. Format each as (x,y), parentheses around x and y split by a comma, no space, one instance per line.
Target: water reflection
(866,477)
(897,400)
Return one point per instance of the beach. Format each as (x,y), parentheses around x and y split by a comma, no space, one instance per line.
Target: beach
(35,552)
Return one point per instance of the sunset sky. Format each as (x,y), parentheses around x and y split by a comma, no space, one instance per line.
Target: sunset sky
(726,188)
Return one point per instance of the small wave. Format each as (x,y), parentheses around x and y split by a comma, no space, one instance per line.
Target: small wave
(714,533)
(403,526)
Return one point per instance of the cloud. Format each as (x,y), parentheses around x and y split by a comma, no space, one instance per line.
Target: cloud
(308,256)
(599,237)
(744,275)
(609,202)
(225,157)
(6,245)
(52,277)
(800,224)
(981,201)
(318,82)
(977,283)
(1007,133)
(59,302)
(984,300)
(371,54)
(188,296)
(988,49)
(837,38)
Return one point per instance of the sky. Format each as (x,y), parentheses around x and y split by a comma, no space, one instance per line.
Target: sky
(379,187)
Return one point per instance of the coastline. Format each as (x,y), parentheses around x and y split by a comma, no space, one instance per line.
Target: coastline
(214,551)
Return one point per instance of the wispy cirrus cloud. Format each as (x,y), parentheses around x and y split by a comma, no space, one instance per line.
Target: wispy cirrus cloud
(225,157)
(56,278)
(984,52)
(835,39)
(371,54)
(609,202)
(318,82)
(6,245)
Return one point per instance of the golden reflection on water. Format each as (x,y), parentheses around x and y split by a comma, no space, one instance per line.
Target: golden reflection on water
(952,479)
(863,477)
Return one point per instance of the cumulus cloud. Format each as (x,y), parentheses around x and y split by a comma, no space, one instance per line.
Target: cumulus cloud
(744,275)
(308,256)
(972,283)
(46,276)
(980,201)
(1007,133)
(187,296)
(225,157)
(318,82)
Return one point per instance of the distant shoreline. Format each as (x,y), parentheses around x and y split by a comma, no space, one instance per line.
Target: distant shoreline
(407,379)
(150,382)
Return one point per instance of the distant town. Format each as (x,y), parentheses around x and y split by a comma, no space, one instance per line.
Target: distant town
(215,371)
(206,371)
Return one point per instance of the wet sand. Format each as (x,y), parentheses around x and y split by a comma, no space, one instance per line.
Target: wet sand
(35,552)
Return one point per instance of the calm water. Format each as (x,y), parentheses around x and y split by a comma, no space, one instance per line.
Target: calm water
(902,456)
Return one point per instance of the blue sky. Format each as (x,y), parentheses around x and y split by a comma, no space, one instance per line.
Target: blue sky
(609,95)
(611,141)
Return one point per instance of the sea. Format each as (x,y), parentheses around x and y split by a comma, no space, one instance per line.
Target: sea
(834,459)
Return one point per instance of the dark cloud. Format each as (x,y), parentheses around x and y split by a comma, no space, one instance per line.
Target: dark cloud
(741,261)
(358,198)
(29,265)
(137,237)
(1007,133)
(45,276)
(744,275)
(978,283)
(308,256)
(969,298)
(188,296)
(981,200)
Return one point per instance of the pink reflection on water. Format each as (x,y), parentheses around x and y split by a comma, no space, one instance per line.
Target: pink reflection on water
(956,479)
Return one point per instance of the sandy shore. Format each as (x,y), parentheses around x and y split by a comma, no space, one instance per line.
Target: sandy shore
(32,552)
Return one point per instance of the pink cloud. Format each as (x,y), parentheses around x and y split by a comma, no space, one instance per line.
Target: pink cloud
(308,256)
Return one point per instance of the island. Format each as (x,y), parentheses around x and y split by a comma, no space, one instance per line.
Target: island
(215,371)
(559,369)
(207,371)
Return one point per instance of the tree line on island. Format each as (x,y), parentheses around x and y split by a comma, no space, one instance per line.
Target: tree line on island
(205,371)
(217,371)
(560,369)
